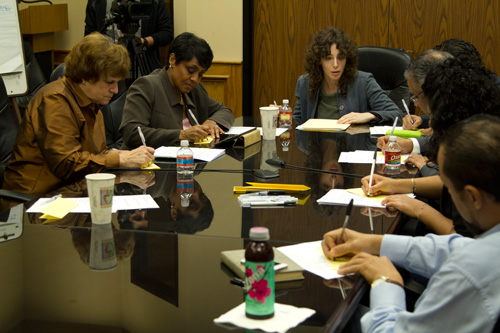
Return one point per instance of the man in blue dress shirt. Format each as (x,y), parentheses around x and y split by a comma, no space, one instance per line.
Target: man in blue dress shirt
(463,293)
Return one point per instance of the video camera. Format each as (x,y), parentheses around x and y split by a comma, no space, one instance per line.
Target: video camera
(127,13)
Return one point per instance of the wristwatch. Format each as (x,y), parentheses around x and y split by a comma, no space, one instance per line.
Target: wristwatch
(385,279)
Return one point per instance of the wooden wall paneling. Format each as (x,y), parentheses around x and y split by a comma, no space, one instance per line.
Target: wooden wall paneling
(282,29)
(223,82)
(418,25)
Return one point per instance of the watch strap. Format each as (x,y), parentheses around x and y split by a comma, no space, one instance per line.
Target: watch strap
(385,279)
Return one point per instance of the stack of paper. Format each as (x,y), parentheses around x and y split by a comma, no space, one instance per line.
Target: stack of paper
(202,154)
(323,125)
(365,157)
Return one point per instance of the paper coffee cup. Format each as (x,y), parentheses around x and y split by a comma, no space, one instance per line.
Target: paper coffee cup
(100,187)
(269,120)
(102,248)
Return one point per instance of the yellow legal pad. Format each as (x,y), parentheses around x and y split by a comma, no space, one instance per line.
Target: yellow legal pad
(359,191)
(323,125)
(205,141)
(151,167)
(337,262)
(270,186)
(58,209)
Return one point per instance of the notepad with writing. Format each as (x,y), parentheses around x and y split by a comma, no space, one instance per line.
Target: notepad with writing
(232,259)
(323,125)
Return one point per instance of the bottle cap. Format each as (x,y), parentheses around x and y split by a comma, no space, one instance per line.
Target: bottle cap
(184,143)
(285,101)
(393,138)
(184,202)
(259,233)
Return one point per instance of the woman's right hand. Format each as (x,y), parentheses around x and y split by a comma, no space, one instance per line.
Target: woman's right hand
(137,158)
(381,185)
(407,125)
(352,242)
(406,144)
(194,133)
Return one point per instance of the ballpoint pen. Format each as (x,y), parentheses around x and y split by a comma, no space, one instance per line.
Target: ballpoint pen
(192,116)
(141,135)
(408,111)
(346,221)
(394,125)
(372,171)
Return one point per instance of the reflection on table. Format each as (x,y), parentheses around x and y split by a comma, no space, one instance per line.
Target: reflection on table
(168,275)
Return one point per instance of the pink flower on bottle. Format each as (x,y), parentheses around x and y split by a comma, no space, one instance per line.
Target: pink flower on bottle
(260,291)
(249,272)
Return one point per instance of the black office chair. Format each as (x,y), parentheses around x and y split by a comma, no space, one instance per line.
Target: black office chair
(112,112)
(8,132)
(35,77)
(387,66)
(8,129)
(58,72)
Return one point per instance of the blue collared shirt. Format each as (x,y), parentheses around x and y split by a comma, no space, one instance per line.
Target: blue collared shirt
(463,294)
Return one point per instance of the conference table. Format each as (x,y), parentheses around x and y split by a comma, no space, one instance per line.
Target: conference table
(169,276)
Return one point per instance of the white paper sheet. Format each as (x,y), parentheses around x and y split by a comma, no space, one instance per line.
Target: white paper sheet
(311,258)
(342,197)
(365,157)
(202,154)
(279,131)
(120,202)
(381,130)
(237,130)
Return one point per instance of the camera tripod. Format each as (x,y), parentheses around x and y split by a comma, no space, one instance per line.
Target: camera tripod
(139,63)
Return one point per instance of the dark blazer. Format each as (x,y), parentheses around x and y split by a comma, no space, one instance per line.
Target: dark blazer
(159,26)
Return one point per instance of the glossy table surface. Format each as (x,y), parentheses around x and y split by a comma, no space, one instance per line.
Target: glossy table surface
(169,276)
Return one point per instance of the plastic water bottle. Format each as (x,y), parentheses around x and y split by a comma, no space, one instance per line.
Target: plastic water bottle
(185,161)
(185,187)
(392,156)
(285,115)
(259,280)
(285,139)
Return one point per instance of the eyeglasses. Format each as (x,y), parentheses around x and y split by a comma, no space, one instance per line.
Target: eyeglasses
(413,98)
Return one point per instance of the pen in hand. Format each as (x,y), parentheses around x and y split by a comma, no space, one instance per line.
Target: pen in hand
(346,221)
(141,135)
(192,116)
(408,111)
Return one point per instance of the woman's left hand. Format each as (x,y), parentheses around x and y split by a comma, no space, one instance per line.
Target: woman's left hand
(403,203)
(356,118)
(214,129)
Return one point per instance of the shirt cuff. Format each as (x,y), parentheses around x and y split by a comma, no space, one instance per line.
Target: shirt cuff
(113,159)
(416,146)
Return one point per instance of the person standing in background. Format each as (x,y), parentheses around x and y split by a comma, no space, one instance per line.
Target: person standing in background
(155,32)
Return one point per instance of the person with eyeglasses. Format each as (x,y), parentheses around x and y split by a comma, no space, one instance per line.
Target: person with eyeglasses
(415,75)
(455,47)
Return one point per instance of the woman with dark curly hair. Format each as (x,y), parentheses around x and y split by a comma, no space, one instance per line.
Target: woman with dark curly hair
(333,88)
